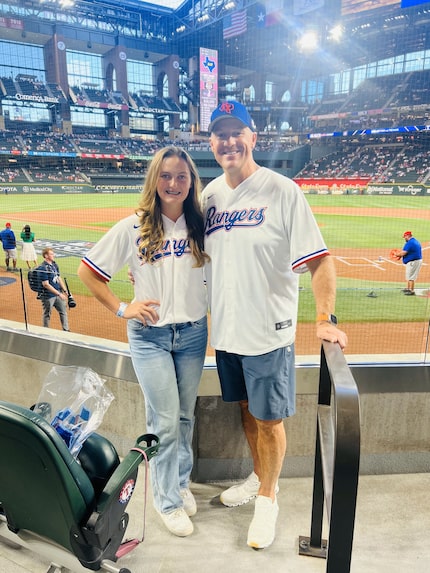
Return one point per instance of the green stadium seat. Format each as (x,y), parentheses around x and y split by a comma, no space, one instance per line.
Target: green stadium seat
(74,508)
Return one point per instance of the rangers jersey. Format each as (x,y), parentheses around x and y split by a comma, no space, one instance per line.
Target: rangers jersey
(171,278)
(259,236)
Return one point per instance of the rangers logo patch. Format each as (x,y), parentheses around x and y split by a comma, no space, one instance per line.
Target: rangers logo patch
(126,491)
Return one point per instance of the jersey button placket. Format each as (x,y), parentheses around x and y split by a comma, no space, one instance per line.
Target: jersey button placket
(230,274)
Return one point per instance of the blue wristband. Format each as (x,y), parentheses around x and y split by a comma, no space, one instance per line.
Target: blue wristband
(121,309)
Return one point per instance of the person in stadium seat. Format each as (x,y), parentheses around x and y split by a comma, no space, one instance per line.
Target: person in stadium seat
(162,243)
(259,234)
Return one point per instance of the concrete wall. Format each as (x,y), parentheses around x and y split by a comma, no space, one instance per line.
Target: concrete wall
(394,402)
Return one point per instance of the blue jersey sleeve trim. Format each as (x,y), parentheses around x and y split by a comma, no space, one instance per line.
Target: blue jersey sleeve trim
(299,263)
(97,270)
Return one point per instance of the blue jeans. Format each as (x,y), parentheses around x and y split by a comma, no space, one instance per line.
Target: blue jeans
(168,362)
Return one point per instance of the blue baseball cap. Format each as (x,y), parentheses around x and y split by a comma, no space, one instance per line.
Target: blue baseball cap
(232,109)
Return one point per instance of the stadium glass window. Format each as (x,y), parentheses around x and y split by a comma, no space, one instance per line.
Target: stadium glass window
(36,113)
(312,91)
(414,62)
(165,86)
(269,91)
(84,68)
(18,58)
(371,70)
(166,121)
(398,64)
(141,124)
(93,118)
(230,89)
(140,77)
(343,82)
(359,75)
(385,67)
(249,94)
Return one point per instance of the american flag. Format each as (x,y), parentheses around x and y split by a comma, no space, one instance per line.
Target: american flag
(234,24)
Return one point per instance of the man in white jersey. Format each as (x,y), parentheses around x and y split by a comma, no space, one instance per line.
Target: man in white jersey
(260,234)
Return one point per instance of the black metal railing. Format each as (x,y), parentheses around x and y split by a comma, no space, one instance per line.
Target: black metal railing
(337,460)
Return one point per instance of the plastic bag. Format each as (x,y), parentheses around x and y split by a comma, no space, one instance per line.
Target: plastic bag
(73,399)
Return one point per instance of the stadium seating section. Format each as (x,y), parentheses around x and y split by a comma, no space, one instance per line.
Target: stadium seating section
(376,103)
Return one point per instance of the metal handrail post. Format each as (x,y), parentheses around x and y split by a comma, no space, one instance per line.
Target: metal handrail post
(324,396)
(337,460)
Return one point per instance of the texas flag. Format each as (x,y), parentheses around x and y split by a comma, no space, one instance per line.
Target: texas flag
(274,11)
(268,13)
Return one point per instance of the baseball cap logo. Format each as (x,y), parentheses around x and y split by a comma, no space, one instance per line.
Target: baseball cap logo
(226,107)
(231,110)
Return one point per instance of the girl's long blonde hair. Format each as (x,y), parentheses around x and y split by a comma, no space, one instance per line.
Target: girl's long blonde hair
(149,211)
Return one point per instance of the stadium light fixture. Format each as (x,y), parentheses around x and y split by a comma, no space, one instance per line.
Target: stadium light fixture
(308,42)
(335,34)
(60,3)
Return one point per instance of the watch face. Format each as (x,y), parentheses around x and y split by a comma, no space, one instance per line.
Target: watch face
(333,319)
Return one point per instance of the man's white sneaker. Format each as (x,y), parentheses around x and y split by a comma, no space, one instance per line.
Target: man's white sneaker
(190,505)
(241,493)
(261,532)
(178,522)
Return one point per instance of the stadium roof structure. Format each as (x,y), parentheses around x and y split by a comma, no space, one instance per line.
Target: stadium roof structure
(168,3)
(369,34)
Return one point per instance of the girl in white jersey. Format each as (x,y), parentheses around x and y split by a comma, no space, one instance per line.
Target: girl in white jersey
(162,243)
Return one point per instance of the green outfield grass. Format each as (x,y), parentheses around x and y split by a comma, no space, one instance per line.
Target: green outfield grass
(344,230)
(353,304)
(28,203)
(380,230)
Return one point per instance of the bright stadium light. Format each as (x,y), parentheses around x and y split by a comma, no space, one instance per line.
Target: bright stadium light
(60,3)
(336,33)
(308,41)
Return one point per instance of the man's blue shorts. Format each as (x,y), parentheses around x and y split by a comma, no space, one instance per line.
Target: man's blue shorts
(267,381)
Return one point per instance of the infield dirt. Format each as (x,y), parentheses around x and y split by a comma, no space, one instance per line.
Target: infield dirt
(91,318)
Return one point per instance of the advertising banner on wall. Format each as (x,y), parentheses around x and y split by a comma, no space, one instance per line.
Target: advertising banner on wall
(208,85)
(332,186)
(99,186)
(358,185)
(397,189)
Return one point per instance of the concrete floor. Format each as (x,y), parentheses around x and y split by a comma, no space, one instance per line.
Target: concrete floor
(391,532)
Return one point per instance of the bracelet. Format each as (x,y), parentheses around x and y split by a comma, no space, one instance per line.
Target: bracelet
(121,309)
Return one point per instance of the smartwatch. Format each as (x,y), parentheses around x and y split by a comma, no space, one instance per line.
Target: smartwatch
(331,318)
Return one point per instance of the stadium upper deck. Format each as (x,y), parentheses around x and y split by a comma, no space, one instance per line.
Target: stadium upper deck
(96,72)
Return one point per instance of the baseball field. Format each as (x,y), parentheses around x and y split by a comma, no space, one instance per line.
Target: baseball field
(359,230)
